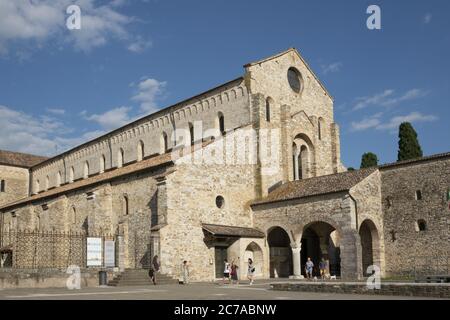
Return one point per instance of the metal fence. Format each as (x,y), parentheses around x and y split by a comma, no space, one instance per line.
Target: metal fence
(45,249)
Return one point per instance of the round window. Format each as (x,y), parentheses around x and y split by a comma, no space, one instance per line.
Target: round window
(294,79)
(220,202)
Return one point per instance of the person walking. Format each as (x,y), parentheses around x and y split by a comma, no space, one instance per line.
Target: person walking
(250,271)
(151,274)
(185,272)
(323,268)
(154,268)
(309,268)
(234,273)
(226,271)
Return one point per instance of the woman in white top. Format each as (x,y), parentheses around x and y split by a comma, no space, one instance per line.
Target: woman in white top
(250,270)
(226,271)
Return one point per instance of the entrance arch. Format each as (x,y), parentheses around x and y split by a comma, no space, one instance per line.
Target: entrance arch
(254,252)
(321,240)
(370,244)
(280,253)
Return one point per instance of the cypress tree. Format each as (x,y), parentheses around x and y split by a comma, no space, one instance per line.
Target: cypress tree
(408,144)
(368,160)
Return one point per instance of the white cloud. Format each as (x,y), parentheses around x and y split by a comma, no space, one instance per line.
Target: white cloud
(139,45)
(111,119)
(366,123)
(427,18)
(28,24)
(332,67)
(41,135)
(387,98)
(413,117)
(149,90)
(393,123)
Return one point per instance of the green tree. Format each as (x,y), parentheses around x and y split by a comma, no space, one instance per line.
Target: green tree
(350,169)
(408,144)
(368,160)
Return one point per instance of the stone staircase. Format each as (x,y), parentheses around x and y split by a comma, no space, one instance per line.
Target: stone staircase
(139,277)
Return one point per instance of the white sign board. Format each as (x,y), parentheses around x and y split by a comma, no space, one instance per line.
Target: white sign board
(110,253)
(94,252)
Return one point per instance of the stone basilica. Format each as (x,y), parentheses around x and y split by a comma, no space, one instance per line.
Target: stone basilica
(140,183)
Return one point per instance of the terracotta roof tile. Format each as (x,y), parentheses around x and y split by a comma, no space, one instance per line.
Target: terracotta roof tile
(316,186)
(19,159)
(232,231)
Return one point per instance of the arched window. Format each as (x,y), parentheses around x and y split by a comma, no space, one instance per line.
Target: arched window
(125,205)
(71,174)
(102,164)
(164,143)
(140,151)
(300,159)
(320,127)
(86,170)
(120,158)
(221,123)
(38,187)
(191,134)
(47,182)
(268,107)
(421,225)
(58,179)
(2,186)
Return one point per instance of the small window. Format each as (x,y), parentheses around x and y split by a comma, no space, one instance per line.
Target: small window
(125,205)
(294,79)
(120,158)
(421,225)
(191,133)
(221,123)
(268,105)
(220,202)
(3,186)
(418,195)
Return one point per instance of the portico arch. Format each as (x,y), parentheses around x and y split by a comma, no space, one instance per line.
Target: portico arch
(254,252)
(280,253)
(321,240)
(370,245)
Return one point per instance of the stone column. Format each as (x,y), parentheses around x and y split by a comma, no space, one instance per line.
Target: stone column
(296,262)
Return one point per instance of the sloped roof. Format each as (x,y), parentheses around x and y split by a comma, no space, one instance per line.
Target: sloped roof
(146,164)
(414,161)
(332,183)
(19,159)
(232,231)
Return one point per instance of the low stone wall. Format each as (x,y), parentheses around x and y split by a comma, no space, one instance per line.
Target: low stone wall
(437,290)
(34,278)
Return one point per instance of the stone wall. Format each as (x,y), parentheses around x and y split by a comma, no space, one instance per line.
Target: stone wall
(97,210)
(407,248)
(231,100)
(16,183)
(191,200)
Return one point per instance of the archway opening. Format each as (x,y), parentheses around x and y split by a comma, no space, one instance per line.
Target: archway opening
(254,252)
(280,253)
(321,240)
(368,234)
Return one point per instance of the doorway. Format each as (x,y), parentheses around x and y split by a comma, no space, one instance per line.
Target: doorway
(220,254)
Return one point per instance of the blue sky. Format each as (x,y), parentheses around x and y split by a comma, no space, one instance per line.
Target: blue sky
(60,87)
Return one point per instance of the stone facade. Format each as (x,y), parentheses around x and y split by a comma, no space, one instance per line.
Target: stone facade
(266,157)
(407,247)
(16,180)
